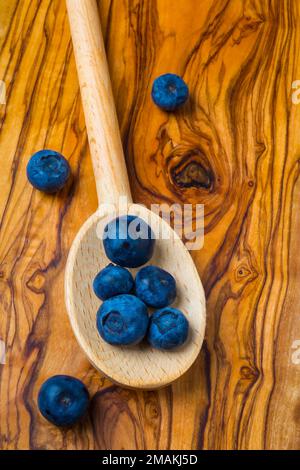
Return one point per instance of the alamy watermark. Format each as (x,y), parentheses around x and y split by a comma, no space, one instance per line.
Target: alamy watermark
(187,221)
(296,93)
(296,352)
(2,352)
(2,92)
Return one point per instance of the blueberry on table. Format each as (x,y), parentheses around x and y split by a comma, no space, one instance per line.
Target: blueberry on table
(122,320)
(128,241)
(48,171)
(168,329)
(169,92)
(63,400)
(112,281)
(155,286)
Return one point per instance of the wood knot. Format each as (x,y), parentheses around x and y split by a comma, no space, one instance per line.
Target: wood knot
(193,171)
(248,376)
(260,148)
(248,373)
(36,282)
(242,272)
(246,26)
(152,412)
(245,272)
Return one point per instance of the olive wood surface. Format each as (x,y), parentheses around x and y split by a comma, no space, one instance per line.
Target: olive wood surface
(234,147)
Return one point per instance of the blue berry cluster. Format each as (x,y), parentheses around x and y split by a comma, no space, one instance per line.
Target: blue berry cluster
(123,317)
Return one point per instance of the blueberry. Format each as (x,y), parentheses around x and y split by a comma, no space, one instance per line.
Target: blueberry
(155,286)
(128,241)
(48,171)
(122,320)
(169,92)
(112,281)
(63,400)
(168,328)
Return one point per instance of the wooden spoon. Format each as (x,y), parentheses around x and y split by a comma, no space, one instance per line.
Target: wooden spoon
(139,366)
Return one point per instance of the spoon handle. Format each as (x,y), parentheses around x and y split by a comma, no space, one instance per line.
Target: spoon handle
(98,102)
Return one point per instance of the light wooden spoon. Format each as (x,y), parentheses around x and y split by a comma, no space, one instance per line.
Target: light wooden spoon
(139,366)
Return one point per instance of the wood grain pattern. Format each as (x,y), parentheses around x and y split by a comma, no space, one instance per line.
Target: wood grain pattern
(235,148)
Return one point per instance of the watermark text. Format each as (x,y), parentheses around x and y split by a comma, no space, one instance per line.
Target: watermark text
(2,92)
(2,352)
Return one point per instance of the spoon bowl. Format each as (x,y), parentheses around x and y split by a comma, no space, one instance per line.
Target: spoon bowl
(139,366)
